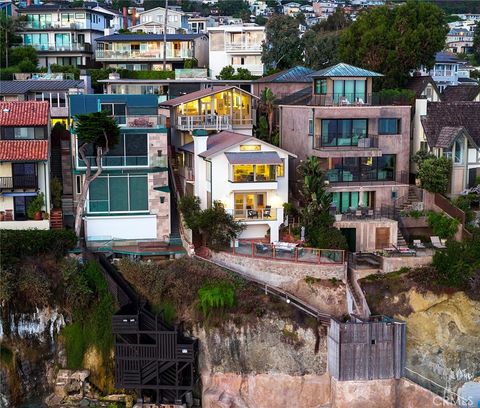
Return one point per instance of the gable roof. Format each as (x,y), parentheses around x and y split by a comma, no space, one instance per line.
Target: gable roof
(29,113)
(148,37)
(461,93)
(23,87)
(20,150)
(295,74)
(200,94)
(345,70)
(219,142)
(444,120)
(418,84)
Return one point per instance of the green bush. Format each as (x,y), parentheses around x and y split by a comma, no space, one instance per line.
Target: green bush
(434,174)
(66,69)
(35,206)
(74,345)
(214,296)
(465,204)
(190,63)
(442,225)
(396,95)
(146,74)
(16,245)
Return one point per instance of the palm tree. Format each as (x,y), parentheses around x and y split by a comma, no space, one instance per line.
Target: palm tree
(267,102)
(314,183)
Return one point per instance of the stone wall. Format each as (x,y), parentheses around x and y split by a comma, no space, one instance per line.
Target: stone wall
(392,264)
(280,273)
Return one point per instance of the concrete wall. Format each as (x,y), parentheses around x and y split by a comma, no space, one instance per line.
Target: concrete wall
(392,264)
(366,232)
(23,225)
(280,273)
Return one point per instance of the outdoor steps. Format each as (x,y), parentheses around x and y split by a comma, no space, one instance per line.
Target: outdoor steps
(356,296)
(400,239)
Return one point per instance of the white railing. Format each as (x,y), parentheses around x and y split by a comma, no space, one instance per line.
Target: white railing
(254,214)
(217,122)
(255,69)
(142,55)
(243,46)
(56,47)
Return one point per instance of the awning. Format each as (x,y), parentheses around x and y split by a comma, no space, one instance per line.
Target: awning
(254,158)
(19,194)
(164,189)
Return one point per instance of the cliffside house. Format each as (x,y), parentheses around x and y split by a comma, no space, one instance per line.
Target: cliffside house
(131,198)
(362,141)
(144,52)
(24,162)
(249,176)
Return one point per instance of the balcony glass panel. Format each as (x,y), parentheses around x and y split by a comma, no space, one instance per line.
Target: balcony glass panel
(342,132)
(364,169)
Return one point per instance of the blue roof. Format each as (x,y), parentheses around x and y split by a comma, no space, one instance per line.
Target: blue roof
(148,37)
(295,74)
(91,103)
(345,70)
(446,57)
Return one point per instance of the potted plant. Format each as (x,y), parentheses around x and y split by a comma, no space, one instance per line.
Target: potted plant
(34,208)
(56,194)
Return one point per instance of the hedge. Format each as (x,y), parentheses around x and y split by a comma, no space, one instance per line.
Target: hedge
(16,244)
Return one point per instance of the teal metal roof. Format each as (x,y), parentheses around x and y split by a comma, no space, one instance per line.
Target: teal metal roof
(345,70)
(295,74)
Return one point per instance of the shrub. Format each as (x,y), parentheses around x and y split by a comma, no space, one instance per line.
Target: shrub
(396,95)
(434,173)
(465,204)
(146,74)
(35,206)
(20,244)
(442,225)
(190,63)
(218,295)
(74,345)
(56,192)
(66,69)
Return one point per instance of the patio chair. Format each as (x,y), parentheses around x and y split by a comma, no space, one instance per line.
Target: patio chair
(418,244)
(358,213)
(267,211)
(437,243)
(252,213)
(370,213)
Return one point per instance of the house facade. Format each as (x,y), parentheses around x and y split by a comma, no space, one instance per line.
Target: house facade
(249,176)
(361,140)
(237,45)
(24,162)
(63,35)
(130,200)
(452,130)
(153,21)
(144,52)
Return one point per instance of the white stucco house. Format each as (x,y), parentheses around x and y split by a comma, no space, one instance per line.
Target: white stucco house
(248,175)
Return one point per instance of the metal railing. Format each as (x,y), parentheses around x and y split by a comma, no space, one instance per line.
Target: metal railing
(218,122)
(354,142)
(156,54)
(59,48)
(291,253)
(243,46)
(347,177)
(256,214)
(341,99)
(141,121)
(20,181)
(116,161)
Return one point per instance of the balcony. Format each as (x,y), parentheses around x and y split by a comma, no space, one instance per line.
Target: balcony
(141,121)
(354,178)
(257,214)
(255,69)
(213,122)
(150,55)
(19,182)
(57,25)
(243,46)
(305,97)
(355,146)
(61,48)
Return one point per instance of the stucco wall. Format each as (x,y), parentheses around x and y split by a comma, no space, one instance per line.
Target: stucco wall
(280,273)
(391,264)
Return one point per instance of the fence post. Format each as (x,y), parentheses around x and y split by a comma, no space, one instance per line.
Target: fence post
(252,250)
(319,255)
(295,257)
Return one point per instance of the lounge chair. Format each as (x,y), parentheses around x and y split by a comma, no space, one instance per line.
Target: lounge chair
(437,243)
(267,212)
(418,244)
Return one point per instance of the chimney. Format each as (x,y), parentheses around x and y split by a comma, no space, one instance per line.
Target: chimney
(200,144)
(125,18)
(134,16)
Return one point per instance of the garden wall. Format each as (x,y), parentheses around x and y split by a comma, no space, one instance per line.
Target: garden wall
(280,273)
(392,264)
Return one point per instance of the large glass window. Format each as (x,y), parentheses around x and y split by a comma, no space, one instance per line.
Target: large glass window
(349,200)
(388,126)
(248,201)
(459,151)
(343,132)
(249,173)
(13,133)
(39,41)
(117,194)
(320,86)
(363,169)
(62,40)
(349,91)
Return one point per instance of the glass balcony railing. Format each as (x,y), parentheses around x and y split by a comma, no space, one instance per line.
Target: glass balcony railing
(116,161)
(218,122)
(63,47)
(141,121)
(255,214)
(147,55)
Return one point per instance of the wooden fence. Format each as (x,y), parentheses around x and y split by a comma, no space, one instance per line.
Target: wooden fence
(366,349)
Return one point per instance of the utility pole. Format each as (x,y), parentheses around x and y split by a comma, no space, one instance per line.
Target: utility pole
(165,37)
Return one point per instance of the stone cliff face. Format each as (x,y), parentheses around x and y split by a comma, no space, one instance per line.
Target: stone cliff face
(443,335)
(269,363)
(29,354)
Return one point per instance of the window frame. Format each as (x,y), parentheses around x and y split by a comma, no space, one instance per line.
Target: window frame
(387,132)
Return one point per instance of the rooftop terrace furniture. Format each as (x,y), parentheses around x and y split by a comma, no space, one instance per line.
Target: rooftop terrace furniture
(437,243)
(418,244)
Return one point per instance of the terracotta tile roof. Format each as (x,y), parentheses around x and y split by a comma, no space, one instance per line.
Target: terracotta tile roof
(20,150)
(29,113)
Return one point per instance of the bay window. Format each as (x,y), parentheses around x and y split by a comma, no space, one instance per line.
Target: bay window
(249,173)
